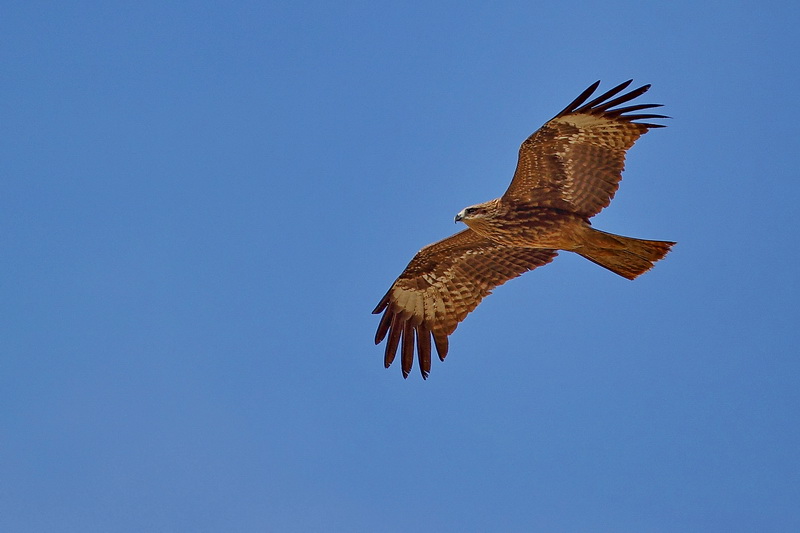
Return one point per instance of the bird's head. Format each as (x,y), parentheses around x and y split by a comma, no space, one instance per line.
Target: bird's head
(475,212)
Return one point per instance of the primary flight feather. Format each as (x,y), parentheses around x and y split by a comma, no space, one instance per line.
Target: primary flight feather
(567,172)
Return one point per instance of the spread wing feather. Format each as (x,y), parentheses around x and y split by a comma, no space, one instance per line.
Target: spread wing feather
(443,283)
(575,161)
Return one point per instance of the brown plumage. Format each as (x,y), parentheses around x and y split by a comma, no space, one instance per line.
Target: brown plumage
(567,172)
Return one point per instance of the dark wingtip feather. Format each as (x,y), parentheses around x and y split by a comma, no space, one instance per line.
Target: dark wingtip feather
(442,345)
(644,116)
(382,304)
(580,99)
(424,350)
(606,95)
(407,350)
(604,104)
(383,327)
(627,97)
(393,341)
(629,109)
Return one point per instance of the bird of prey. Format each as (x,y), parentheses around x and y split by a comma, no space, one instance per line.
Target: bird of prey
(567,172)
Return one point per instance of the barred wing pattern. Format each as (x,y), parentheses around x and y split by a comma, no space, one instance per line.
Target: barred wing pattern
(443,283)
(575,161)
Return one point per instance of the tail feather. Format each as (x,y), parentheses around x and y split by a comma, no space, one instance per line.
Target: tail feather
(625,256)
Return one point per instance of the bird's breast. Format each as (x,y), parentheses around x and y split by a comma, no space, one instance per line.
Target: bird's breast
(532,228)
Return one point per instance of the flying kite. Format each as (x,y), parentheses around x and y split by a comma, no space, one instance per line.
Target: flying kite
(567,172)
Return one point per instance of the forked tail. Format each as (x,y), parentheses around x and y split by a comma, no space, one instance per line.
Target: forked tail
(625,256)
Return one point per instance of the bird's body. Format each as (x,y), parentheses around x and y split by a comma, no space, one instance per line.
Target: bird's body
(567,172)
(516,224)
(521,225)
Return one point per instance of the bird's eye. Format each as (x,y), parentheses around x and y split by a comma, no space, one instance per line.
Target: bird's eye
(469,210)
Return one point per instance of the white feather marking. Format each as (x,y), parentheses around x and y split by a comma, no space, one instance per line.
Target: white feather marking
(401,297)
(418,309)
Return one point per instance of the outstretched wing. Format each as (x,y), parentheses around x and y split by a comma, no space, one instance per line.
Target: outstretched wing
(575,161)
(440,286)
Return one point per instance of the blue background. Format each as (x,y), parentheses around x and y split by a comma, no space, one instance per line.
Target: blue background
(201,203)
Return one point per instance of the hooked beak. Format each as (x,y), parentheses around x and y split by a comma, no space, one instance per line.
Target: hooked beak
(458,218)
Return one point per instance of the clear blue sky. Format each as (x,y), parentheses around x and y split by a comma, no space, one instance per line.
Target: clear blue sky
(201,203)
